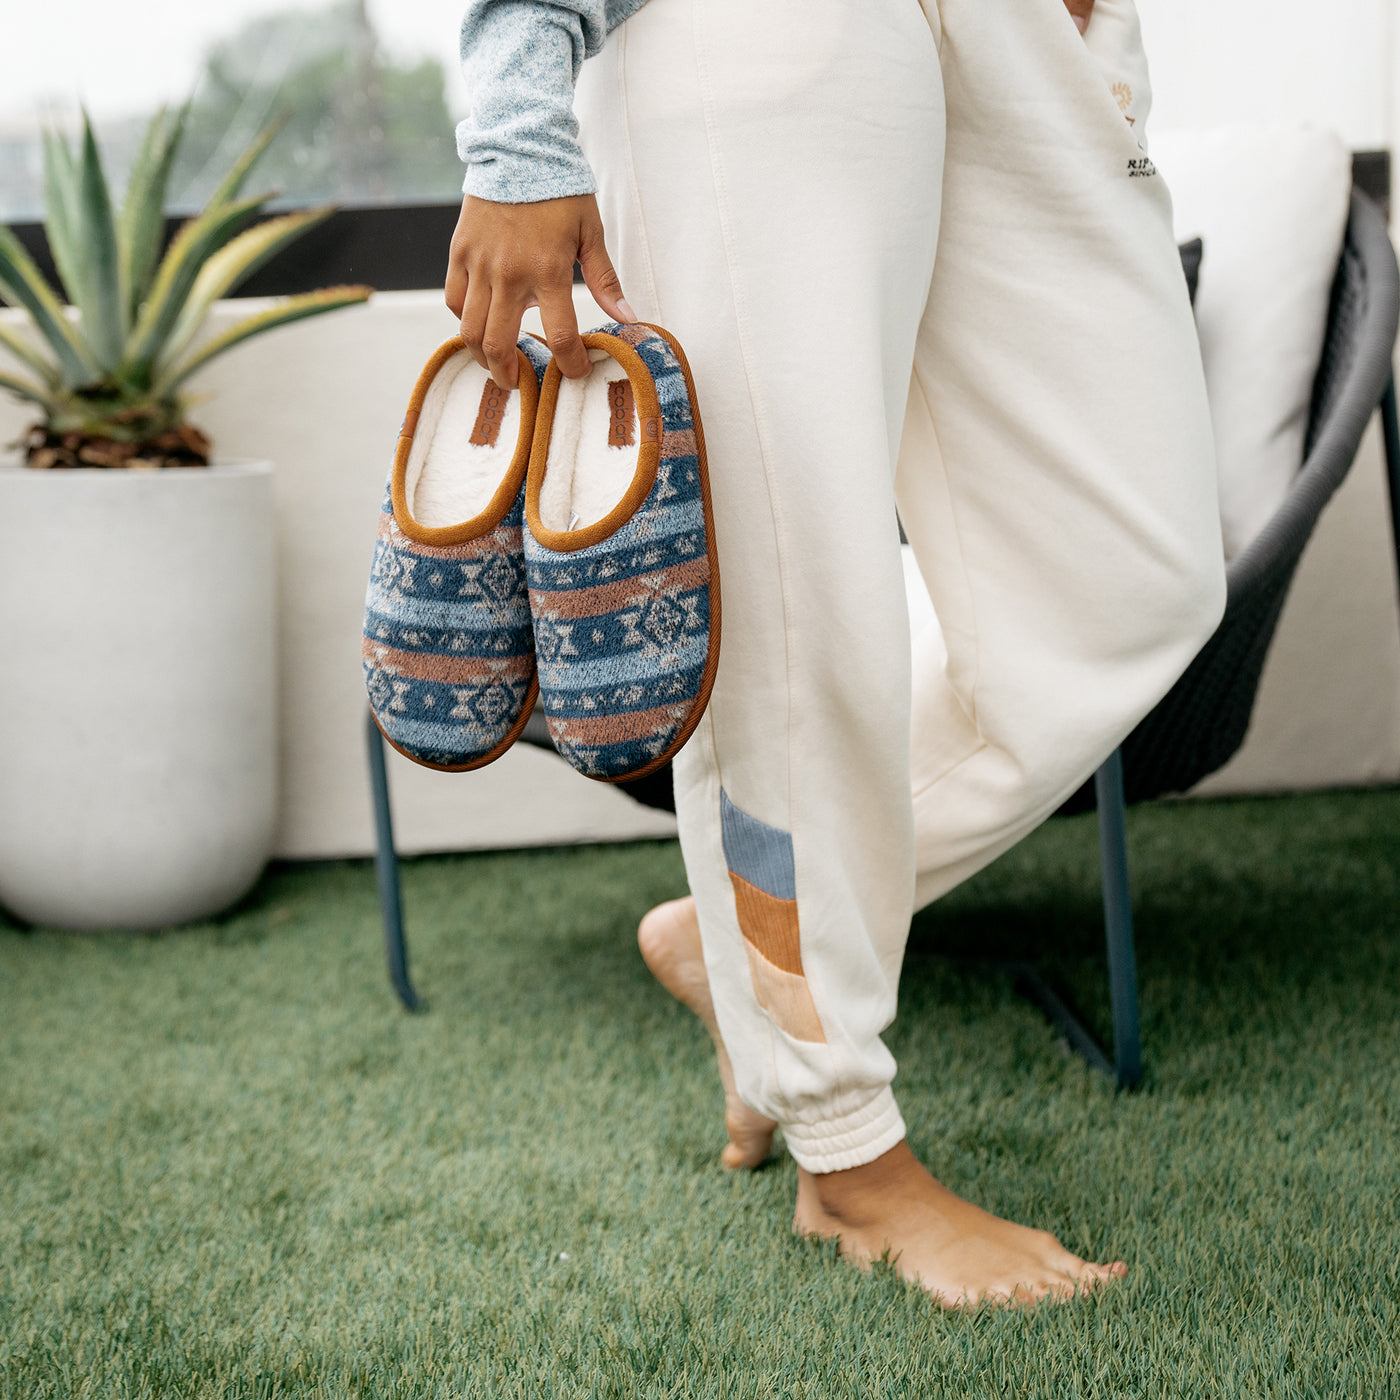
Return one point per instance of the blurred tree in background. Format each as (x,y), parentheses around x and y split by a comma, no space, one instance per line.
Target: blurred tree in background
(361,127)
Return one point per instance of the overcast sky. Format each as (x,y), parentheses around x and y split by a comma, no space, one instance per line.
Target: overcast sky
(126,57)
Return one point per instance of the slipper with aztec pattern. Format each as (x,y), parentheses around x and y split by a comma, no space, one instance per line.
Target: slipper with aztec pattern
(448,652)
(619,555)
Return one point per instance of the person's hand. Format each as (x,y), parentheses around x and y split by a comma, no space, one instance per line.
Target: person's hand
(508,257)
(1079,11)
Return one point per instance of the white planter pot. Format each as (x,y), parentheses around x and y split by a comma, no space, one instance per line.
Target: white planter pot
(138,709)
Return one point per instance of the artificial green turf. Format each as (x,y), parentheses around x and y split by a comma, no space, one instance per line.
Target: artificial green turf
(230,1167)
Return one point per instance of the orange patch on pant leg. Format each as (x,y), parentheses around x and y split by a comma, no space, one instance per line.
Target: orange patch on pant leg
(769,924)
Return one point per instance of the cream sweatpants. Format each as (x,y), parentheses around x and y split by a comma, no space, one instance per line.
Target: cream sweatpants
(916,254)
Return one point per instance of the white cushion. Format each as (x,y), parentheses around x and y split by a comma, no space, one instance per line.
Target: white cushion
(1271,205)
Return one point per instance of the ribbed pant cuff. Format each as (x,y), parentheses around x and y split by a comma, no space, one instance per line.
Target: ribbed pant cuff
(850,1141)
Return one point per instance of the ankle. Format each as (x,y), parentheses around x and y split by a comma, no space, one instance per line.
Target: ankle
(861,1194)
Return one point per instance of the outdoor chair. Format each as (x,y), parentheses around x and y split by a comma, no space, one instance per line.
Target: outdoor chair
(1201,723)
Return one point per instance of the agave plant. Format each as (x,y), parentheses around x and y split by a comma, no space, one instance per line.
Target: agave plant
(110,381)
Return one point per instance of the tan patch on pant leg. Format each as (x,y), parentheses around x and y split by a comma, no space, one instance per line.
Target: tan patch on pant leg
(785,997)
(769,924)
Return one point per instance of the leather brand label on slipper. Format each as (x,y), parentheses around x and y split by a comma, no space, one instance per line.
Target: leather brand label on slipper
(622,414)
(490,415)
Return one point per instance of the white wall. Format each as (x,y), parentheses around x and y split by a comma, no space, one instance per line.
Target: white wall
(1333,64)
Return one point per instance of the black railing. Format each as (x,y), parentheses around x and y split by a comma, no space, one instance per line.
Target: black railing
(404,247)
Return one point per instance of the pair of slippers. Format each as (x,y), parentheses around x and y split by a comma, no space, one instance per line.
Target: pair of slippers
(552,542)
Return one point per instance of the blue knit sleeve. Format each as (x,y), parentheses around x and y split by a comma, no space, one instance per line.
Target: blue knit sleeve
(521,59)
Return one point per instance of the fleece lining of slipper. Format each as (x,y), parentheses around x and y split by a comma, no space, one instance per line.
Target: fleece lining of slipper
(635,474)
(593,447)
(462,454)
(468,430)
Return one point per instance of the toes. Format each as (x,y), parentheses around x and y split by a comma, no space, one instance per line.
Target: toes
(1095,1276)
(1083,1270)
(1060,1289)
(967,1302)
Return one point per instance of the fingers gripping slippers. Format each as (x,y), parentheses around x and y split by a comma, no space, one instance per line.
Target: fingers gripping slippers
(619,553)
(448,652)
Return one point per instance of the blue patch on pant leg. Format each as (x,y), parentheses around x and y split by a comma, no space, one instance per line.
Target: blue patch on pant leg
(757,852)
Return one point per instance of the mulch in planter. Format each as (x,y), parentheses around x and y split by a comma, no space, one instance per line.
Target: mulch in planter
(185,446)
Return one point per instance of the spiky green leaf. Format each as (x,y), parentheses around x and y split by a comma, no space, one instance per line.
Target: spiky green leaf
(242,167)
(199,239)
(23,285)
(234,264)
(24,389)
(30,354)
(104,318)
(141,225)
(296,308)
(61,218)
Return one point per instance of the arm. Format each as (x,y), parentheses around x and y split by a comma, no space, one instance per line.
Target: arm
(529,211)
(521,59)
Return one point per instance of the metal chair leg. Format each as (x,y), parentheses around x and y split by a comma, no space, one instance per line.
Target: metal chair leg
(1390,425)
(1126,1067)
(386,869)
(1118,920)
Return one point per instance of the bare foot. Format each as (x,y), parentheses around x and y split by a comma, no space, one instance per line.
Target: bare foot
(669,938)
(961,1255)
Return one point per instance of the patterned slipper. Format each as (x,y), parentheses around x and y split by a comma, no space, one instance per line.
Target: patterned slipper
(619,554)
(448,654)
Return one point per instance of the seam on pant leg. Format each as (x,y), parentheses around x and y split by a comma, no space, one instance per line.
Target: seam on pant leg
(637,208)
(741,317)
(761,432)
(970,705)
(934,21)
(948,773)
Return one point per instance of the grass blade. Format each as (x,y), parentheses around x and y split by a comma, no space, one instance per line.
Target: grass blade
(175,278)
(296,308)
(23,285)
(232,265)
(104,318)
(141,225)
